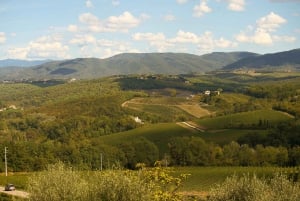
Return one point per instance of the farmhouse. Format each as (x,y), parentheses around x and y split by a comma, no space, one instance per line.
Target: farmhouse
(138,120)
(207,92)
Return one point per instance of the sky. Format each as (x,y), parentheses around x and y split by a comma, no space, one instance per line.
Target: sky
(66,29)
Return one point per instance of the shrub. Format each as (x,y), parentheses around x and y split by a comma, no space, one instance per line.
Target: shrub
(118,185)
(59,183)
(251,188)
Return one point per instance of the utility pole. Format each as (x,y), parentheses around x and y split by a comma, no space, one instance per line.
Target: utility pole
(5,159)
(101,161)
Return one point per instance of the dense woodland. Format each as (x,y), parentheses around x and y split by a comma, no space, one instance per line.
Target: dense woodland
(42,122)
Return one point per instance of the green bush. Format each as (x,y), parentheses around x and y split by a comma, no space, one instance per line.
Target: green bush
(119,185)
(59,183)
(251,188)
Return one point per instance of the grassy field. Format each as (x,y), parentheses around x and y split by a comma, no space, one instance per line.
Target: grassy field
(203,178)
(226,136)
(244,118)
(159,134)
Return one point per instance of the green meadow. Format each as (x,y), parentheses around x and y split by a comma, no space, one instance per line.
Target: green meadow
(245,119)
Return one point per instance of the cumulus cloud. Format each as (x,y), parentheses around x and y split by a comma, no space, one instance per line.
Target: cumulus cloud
(157,40)
(83,39)
(236,5)
(73,28)
(201,9)
(104,48)
(270,22)
(263,33)
(184,40)
(2,37)
(41,48)
(18,53)
(185,37)
(124,22)
(121,23)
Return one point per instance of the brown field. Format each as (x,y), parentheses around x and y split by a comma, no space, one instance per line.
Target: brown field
(189,106)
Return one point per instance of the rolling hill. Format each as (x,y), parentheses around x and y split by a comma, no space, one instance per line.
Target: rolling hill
(127,63)
(288,60)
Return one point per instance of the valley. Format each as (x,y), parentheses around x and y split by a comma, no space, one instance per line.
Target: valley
(223,120)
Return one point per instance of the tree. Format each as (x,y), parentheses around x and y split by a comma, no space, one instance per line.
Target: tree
(247,155)
(231,154)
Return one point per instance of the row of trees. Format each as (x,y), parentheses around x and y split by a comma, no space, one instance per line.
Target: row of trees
(195,151)
(183,151)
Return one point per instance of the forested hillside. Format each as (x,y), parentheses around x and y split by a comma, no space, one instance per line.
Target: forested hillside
(288,60)
(77,122)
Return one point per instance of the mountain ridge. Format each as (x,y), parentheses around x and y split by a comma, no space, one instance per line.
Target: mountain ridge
(21,63)
(280,60)
(138,63)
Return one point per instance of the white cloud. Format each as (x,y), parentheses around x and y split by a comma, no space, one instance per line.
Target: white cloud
(223,43)
(169,17)
(73,28)
(2,37)
(182,1)
(105,48)
(207,42)
(157,40)
(183,41)
(45,47)
(83,39)
(263,33)
(121,23)
(18,53)
(89,4)
(201,9)
(89,18)
(236,5)
(270,22)
(185,37)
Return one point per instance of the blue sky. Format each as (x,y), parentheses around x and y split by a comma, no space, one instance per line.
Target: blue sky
(64,29)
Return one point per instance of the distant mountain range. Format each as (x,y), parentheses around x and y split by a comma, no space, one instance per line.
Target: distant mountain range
(145,63)
(288,60)
(21,63)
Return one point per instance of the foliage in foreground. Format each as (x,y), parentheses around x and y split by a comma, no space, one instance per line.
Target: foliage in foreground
(59,182)
(251,188)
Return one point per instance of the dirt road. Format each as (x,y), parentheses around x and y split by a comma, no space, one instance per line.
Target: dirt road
(16,193)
